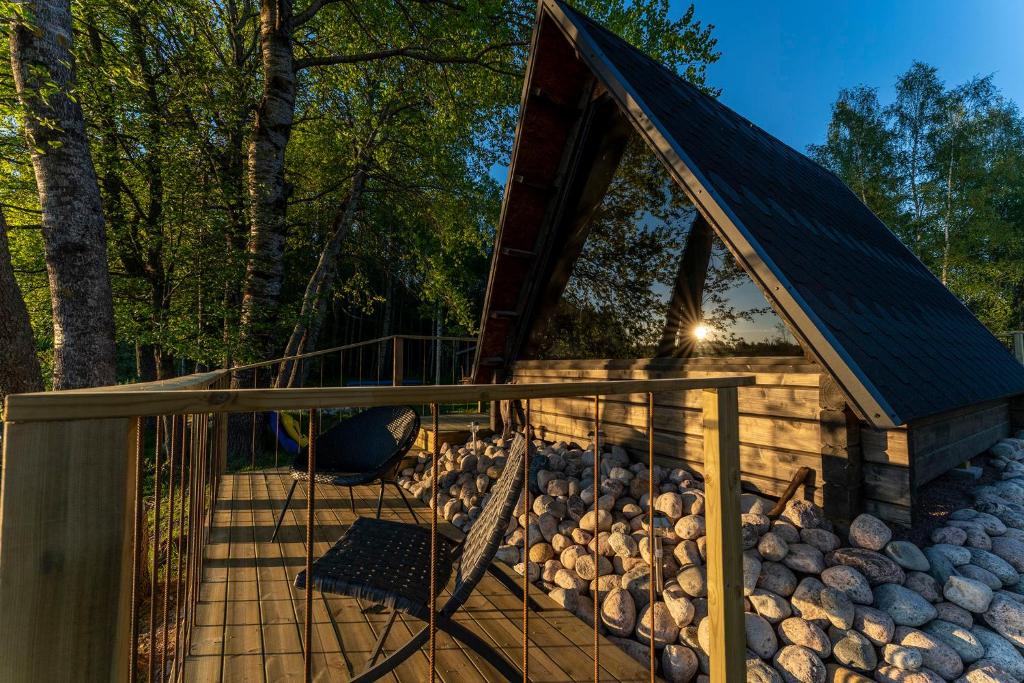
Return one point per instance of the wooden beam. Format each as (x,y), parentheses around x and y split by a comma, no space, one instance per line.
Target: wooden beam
(397,361)
(66,520)
(58,405)
(685,307)
(724,551)
(591,165)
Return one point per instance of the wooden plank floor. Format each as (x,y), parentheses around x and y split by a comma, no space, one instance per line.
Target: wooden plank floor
(250,618)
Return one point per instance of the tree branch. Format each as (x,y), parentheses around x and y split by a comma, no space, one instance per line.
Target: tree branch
(418,53)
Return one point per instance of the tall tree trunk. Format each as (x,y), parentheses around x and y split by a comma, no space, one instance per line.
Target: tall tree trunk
(306,332)
(73,230)
(684,309)
(268,192)
(19,366)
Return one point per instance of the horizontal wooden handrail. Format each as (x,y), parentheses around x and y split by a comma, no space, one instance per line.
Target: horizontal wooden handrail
(105,403)
(347,347)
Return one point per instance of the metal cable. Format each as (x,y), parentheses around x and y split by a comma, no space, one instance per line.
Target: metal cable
(170,539)
(307,650)
(433,543)
(526,550)
(156,554)
(650,524)
(597,534)
(136,550)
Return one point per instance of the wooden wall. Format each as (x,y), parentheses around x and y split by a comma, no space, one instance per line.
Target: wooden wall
(898,462)
(778,417)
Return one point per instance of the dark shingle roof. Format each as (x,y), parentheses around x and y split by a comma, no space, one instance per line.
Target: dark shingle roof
(895,338)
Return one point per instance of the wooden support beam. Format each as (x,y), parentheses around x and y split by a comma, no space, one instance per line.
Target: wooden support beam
(724,551)
(685,307)
(66,521)
(397,361)
(841,456)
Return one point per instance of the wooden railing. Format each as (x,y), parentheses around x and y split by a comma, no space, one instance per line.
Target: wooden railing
(71,541)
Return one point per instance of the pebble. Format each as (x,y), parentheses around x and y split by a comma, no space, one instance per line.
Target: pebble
(925,585)
(850,581)
(854,650)
(907,555)
(804,558)
(906,607)
(1000,651)
(973,571)
(760,636)
(678,663)
(1006,617)
(954,614)
(838,607)
(876,625)
(875,567)
(665,629)
(957,637)
(971,594)
(995,564)
(769,605)
(949,534)
(906,658)
(618,613)
(693,579)
(935,654)
(799,665)
(772,547)
(797,631)
(869,532)
(777,578)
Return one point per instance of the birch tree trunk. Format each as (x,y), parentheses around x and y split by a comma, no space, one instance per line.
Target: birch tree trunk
(268,194)
(72,219)
(19,367)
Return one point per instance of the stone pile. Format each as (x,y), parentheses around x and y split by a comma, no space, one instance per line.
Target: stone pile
(818,607)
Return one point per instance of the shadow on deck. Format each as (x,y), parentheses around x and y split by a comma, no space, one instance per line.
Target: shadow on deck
(249,619)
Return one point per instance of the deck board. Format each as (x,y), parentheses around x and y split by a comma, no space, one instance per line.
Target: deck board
(250,617)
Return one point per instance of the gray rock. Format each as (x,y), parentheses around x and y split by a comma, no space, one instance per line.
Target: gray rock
(907,555)
(954,614)
(876,625)
(1000,651)
(935,654)
(957,637)
(618,613)
(869,532)
(751,571)
(693,579)
(973,571)
(995,564)
(806,601)
(838,607)
(924,584)
(665,629)
(690,527)
(906,658)
(603,519)
(759,672)
(942,566)
(972,595)
(1011,550)
(679,606)
(760,636)
(803,514)
(771,606)
(1006,617)
(632,648)
(786,530)
(799,665)
(1005,512)
(622,544)
(804,558)
(850,581)
(955,553)
(950,535)
(777,578)
(797,631)
(855,651)
(875,567)
(906,607)
(823,540)
(772,547)
(678,663)
(986,671)
(638,582)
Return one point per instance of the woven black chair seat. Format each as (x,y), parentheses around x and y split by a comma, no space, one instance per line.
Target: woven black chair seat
(333,478)
(384,561)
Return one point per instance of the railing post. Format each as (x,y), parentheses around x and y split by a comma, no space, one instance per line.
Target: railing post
(724,551)
(397,361)
(1018,345)
(66,527)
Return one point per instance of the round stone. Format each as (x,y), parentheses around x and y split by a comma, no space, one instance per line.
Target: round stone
(603,518)
(907,555)
(1006,616)
(875,567)
(678,663)
(760,636)
(618,613)
(972,595)
(935,654)
(906,658)
(772,547)
(806,601)
(906,607)
(850,581)
(772,607)
(665,629)
(867,531)
(973,571)
(638,582)
(838,607)
(585,567)
(797,631)
(671,504)
(995,564)
(803,514)
(1011,550)
(954,614)
(541,553)
(799,665)
(804,558)
(949,534)
(690,527)
(679,606)
(876,625)
(855,651)
(622,544)
(890,674)
(693,579)
(777,578)
(823,540)
(957,637)
(1000,651)
(751,571)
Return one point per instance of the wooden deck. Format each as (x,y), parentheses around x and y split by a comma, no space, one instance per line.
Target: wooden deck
(250,617)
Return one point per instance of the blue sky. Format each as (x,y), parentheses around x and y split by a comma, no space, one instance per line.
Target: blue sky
(783,62)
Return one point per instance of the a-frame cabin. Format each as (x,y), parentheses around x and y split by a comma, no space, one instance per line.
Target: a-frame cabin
(899,382)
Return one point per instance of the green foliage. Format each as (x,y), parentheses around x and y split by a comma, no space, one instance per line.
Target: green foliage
(944,168)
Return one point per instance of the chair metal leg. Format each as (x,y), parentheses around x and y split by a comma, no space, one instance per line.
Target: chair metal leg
(481,647)
(380,498)
(280,517)
(406,501)
(395,658)
(351,500)
(380,641)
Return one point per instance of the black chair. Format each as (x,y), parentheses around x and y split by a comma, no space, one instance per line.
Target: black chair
(388,563)
(365,448)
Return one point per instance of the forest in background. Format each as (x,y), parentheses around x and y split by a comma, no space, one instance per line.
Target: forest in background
(236,180)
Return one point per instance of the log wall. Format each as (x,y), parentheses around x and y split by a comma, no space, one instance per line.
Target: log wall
(779,422)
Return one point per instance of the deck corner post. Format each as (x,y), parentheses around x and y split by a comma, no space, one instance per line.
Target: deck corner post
(724,552)
(66,523)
